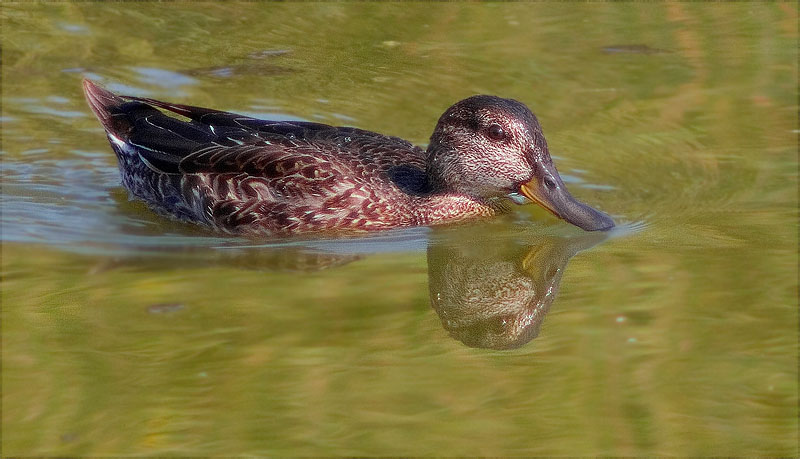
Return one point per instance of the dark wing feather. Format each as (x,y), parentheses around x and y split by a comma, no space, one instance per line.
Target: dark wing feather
(163,141)
(286,154)
(189,111)
(290,129)
(222,119)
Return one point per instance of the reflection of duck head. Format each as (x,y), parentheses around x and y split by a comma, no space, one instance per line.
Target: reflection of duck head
(495,294)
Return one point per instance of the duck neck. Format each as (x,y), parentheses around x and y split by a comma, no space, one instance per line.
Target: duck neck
(442,204)
(441,208)
(435,170)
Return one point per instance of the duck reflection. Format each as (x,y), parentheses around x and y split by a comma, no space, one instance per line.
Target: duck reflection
(495,294)
(491,288)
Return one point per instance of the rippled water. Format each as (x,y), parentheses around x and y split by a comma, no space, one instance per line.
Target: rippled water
(675,334)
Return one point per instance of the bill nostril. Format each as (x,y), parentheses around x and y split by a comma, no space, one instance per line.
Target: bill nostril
(549,183)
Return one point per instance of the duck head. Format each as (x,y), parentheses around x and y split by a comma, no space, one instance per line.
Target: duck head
(489,147)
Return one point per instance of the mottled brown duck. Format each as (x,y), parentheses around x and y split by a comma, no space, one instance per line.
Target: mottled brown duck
(248,176)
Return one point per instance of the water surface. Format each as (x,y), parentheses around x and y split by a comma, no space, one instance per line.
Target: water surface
(676,334)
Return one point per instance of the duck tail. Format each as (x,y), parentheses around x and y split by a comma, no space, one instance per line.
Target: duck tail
(105,104)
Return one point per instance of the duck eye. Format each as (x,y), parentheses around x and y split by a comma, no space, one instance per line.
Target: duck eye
(496,132)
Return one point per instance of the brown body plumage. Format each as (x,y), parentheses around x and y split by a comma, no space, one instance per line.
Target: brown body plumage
(247,176)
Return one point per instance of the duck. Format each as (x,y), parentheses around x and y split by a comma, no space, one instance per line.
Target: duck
(246,176)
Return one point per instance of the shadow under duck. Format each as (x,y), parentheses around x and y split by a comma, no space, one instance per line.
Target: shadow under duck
(248,176)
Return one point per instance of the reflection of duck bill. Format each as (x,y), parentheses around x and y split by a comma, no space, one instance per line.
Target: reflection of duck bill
(558,201)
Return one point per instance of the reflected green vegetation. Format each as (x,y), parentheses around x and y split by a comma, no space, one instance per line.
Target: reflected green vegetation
(124,333)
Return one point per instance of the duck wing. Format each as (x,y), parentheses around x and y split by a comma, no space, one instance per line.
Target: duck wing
(213,141)
(171,146)
(284,154)
(229,122)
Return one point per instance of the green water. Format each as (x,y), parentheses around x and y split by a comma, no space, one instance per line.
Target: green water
(126,334)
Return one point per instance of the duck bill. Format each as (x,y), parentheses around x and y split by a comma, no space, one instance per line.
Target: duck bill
(560,203)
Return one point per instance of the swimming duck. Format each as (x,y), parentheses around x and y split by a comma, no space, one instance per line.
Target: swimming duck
(248,176)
